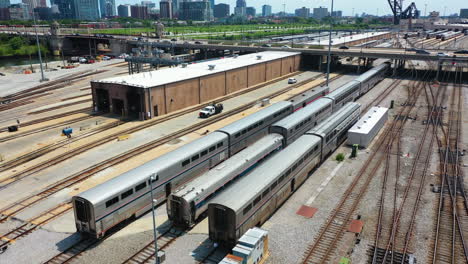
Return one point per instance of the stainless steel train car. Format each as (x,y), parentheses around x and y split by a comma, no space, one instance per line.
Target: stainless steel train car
(302,100)
(334,130)
(450,35)
(187,203)
(254,198)
(251,200)
(346,93)
(249,129)
(104,206)
(296,124)
(371,77)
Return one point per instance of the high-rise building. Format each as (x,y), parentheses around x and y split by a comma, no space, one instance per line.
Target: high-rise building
(337,13)
(107,8)
(43,13)
(31,3)
(221,10)
(165,9)
(19,12)
(66,8)
(303,12)
(4,13)
(212,4)
(198,11)
(123,10)
(320,12)
(139,11)
(464,13)
(241,3)
(4,3)
(250,11)
(175,7)
(149,4)
(86,9)
(266,10)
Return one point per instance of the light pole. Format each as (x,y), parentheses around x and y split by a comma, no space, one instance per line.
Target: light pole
(153,209)
(329,44)
(43,78)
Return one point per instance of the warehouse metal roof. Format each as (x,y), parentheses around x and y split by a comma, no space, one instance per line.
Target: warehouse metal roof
(172,75)
(369,120)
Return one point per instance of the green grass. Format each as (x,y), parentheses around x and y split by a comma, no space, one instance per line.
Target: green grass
(340,157)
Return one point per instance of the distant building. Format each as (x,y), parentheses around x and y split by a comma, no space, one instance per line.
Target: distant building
(4,13)
(241,3)
(165,9)
(19,12)
(250,11)
(149,4)
(66,8)
(42,3)
(337,14)
(176,7)
(240,9)
(44,13)
(221,10)
(434,14)
(266,10)
(320,12)
(303,12)
(107,8)
(4,3)
(198,11)
(212,4)
(86,9)
(31,4)
(464,13)
(139,11)
(124,11)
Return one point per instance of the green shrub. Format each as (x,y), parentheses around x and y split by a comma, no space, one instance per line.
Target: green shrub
(340,157)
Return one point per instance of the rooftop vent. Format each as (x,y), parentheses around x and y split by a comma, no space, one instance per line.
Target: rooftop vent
(235,56)
(259,57)
(211,67)
(184,65)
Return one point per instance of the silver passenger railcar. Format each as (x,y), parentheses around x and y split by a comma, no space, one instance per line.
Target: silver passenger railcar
(251,200)
(296,124)
(333,130)
(187,203)
(128,195)
(346,93)
(371,77)
(249,129)
(302,100)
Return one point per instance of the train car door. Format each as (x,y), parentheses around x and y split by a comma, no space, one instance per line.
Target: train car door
(168,189)
(293,181)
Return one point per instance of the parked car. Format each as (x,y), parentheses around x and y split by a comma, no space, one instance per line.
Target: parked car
(292,80)
(123,56)
(461,52)
(106,58)
(82,60)
(173,39)
(266,45)
(198,42)
(412,49)
(441,54)
(285,47)
(343,47)
(211,110)
(420,51)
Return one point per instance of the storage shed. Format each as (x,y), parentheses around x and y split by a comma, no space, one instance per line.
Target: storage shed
(149,94)
(368,126)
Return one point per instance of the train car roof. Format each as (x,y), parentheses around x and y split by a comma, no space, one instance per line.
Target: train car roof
(299,116)
(334,120)
(308,93)
(139,174)
(251,185)
(247,121)
(227,168)
(342,89)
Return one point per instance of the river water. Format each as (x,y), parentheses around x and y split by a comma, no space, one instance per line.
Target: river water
(18,61)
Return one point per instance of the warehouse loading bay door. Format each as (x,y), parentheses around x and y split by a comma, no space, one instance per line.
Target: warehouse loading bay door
(134,104)
(102,100)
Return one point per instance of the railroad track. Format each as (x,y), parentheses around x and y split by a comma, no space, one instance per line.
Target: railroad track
(74,251)
(450,245)
(32,170)
(21,205)
(323,247)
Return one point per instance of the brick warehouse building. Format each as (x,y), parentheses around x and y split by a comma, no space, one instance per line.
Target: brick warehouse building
(149,94)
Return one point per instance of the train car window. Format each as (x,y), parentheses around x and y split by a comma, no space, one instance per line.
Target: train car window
(140,186)
(273,185)
(112,201)
(257,200)
(256,125)
(244,131)
(247,209)
(126,194)
(249,128)
(265,193)
(194,158)
(294,167)
(212,148)
(297,127)
(237,135)
(288,172)
(261,123)
(204,152)
(281,178)
(185,162)
(219,144)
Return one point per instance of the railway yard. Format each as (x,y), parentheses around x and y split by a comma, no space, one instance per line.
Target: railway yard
(87,197)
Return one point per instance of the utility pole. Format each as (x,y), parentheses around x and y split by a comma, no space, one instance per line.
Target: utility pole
(425,10)
(43,78)
(153,178)
(329,44)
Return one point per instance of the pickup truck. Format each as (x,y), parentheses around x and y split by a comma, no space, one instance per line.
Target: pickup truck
(211,110)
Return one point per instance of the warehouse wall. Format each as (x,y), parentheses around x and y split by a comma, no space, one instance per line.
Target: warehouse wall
(297,62)
(256,74)
(236,80)
(273,69)
(158,99)
(212,86)
(182,94)
(287,65)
